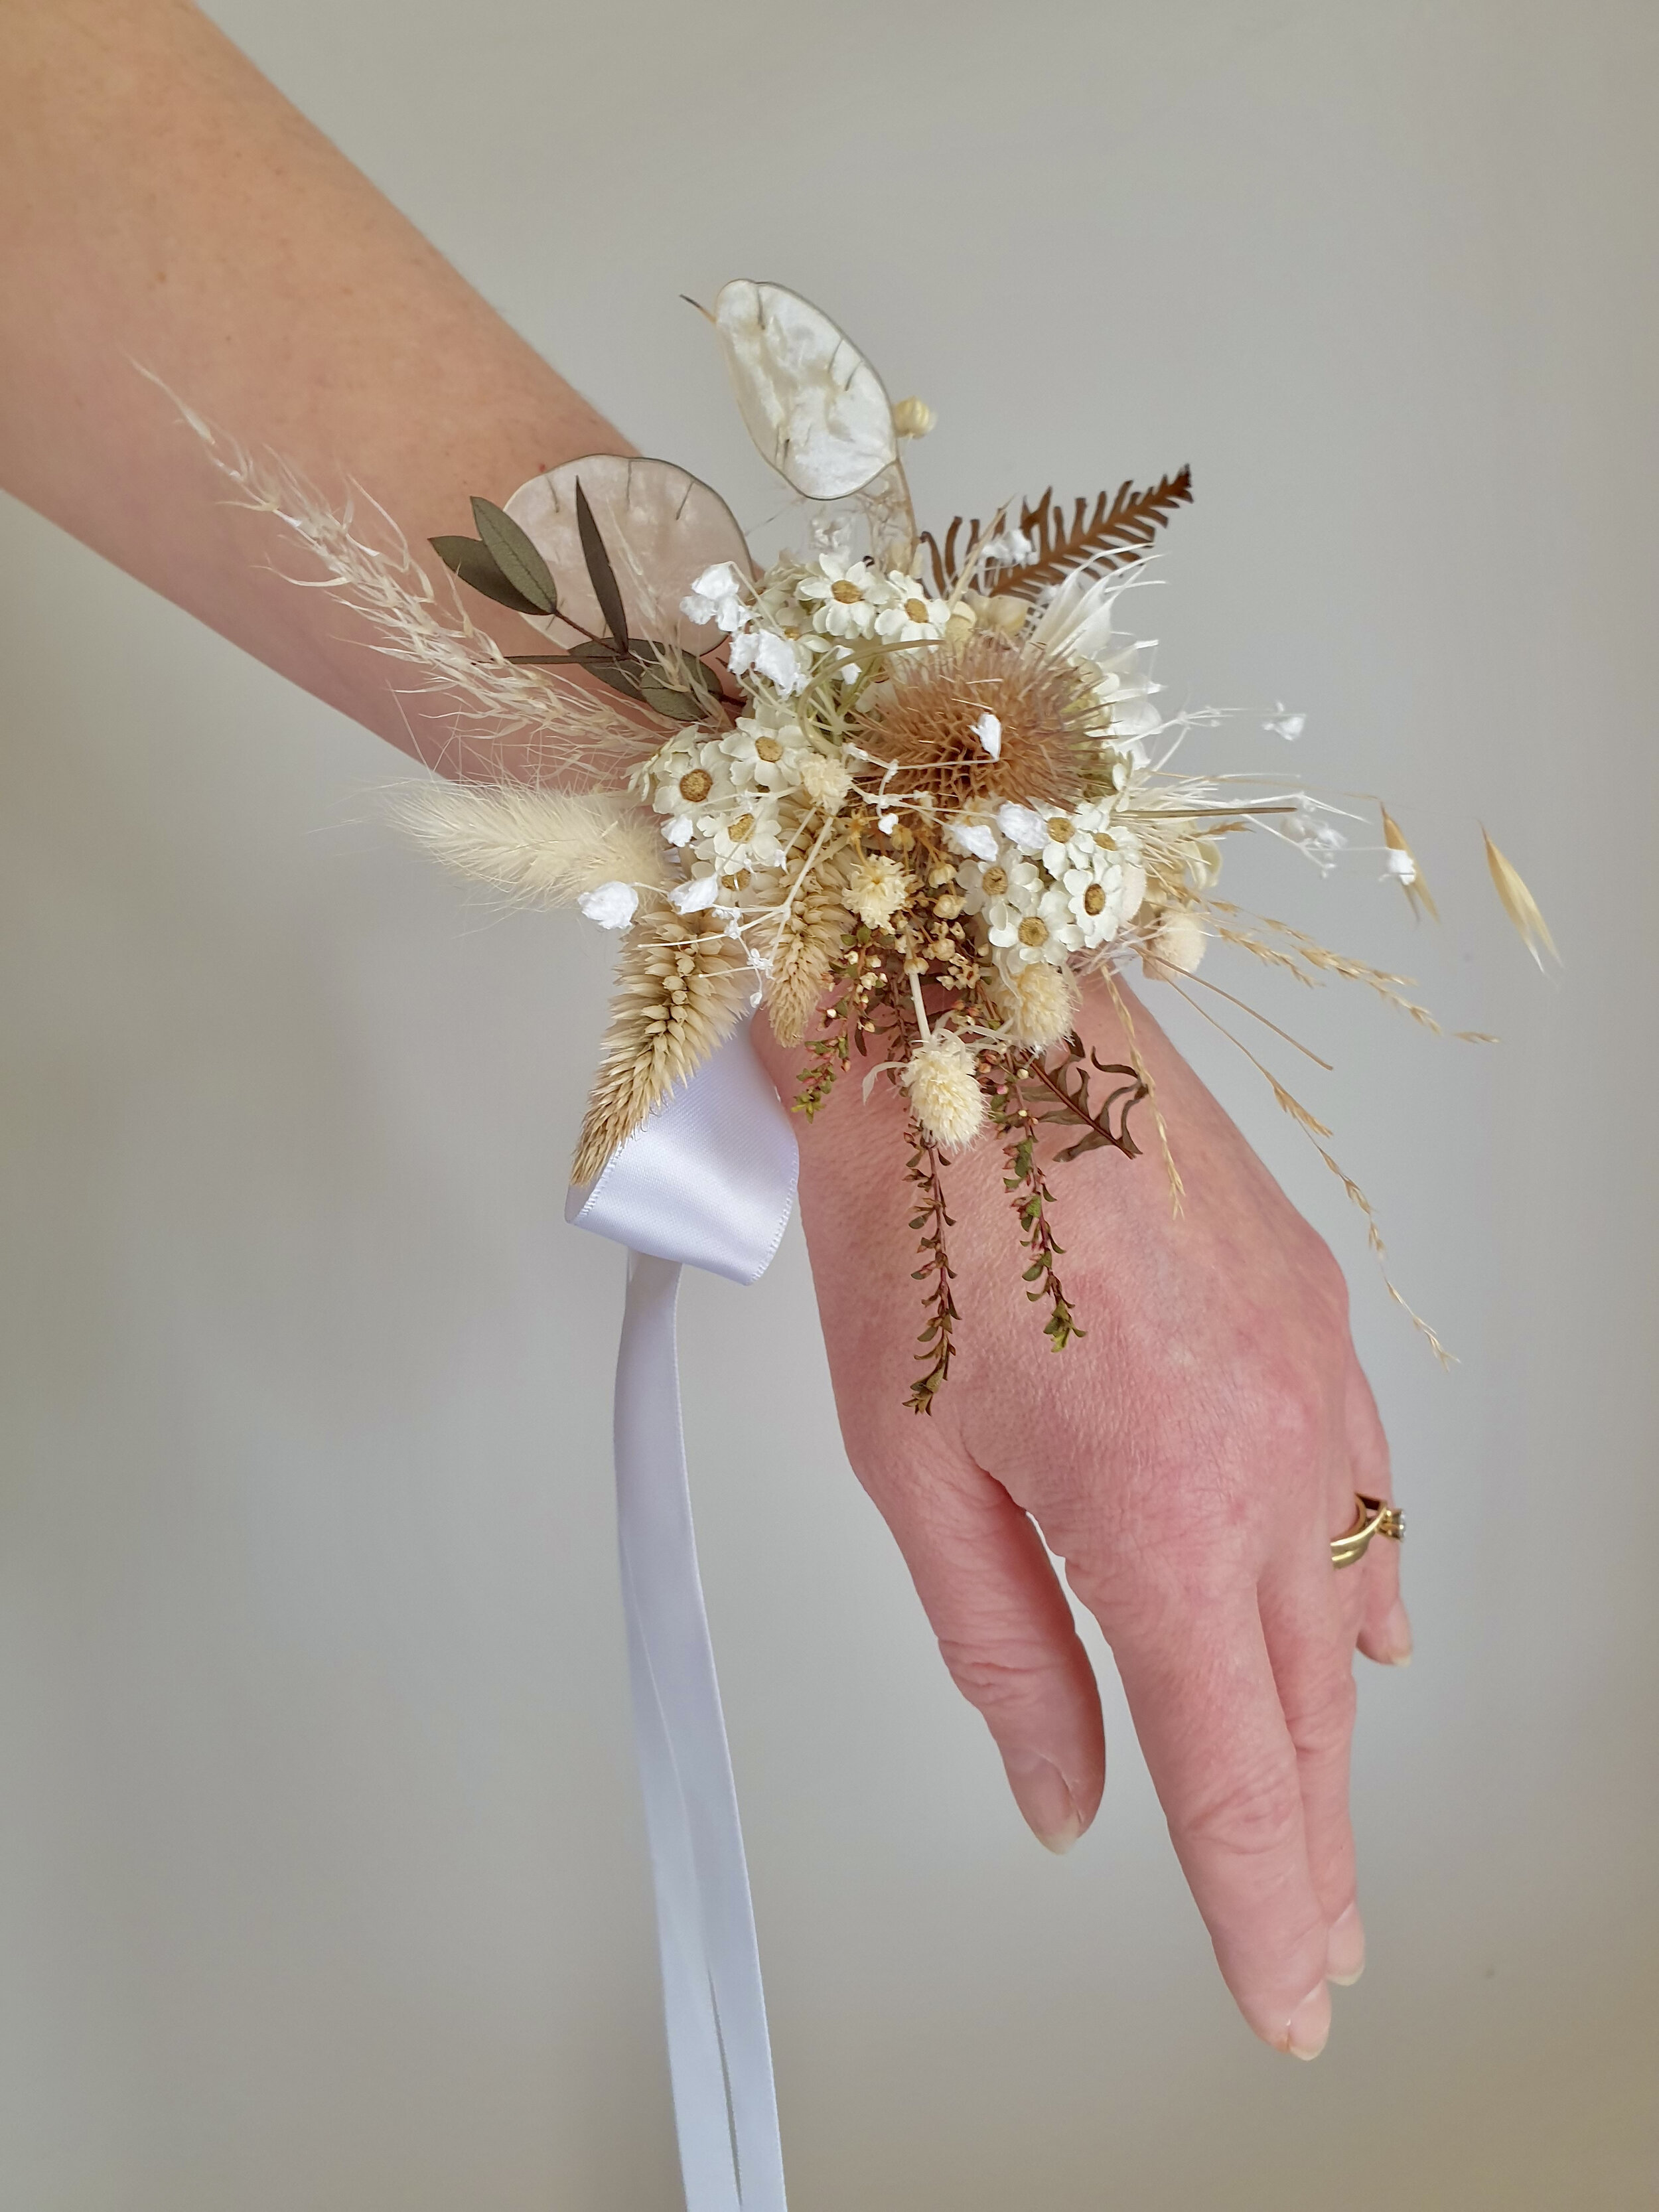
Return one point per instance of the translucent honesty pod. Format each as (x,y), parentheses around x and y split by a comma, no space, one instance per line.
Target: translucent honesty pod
(661,527)
(809,400)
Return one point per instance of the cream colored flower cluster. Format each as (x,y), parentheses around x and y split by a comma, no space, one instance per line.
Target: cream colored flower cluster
(799,783)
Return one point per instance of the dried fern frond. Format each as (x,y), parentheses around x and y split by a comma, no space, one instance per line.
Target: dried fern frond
(681,987)
(952,561)
(539,847)
(568,730)
(1118,528)
(802,951)
(1520,905)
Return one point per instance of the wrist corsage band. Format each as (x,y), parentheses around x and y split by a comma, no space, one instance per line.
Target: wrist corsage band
(908,785)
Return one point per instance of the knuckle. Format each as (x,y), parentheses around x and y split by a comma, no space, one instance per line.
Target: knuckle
(1254,1816)
(1007,1680)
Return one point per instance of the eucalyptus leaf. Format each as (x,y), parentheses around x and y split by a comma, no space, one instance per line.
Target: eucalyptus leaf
(600,574)
(623,671)
(515,553)
(681,702)
(471,559)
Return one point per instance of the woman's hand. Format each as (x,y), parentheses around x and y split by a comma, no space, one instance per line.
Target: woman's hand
(1189,1460)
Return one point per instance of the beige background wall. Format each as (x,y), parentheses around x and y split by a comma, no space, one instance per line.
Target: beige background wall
(321,1882)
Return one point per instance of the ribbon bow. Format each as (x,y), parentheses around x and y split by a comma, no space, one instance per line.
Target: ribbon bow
(708,1182)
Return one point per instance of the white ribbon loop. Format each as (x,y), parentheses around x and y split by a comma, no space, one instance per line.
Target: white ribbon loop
(707,1182)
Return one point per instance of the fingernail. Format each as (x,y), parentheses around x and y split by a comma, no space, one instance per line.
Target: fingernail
(1042,1795)
(1345,1960)
(1397,1637)
(1309,2025)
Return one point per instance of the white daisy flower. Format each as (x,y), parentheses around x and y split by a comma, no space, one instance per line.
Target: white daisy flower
(1096,896)
(690,780)
(1000,891)
(845,597)
(746,836)
(1075,836)
(764,752)
(909,614)
(1033,927)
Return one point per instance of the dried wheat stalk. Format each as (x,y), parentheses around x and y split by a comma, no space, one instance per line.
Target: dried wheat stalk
(681,987)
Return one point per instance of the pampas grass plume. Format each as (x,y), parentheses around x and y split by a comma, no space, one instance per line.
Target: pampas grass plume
(537,846)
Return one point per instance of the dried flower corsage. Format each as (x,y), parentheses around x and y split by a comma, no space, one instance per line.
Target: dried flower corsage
(908,789)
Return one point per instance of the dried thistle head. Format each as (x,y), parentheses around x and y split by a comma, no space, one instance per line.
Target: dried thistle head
(927,723)
(1176,946)
(1039,1003)
(946,1098)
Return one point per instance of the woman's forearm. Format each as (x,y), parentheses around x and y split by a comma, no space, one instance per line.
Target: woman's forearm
(164,206)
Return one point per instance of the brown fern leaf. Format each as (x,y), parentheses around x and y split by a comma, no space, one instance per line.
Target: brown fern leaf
(947,567)
(1118,528)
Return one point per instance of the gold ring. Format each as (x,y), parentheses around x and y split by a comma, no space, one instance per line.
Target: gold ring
(1374,1518)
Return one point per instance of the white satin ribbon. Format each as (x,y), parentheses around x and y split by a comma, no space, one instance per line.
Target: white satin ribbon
(707,1182)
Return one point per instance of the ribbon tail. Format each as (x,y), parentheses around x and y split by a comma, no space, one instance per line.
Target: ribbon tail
(720,2054)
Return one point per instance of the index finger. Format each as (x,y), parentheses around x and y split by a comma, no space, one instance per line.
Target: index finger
(1208,1712)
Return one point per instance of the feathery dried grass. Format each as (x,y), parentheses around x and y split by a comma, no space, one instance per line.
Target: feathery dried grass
(539,847)
(569,729)
(1520,905)
(1319,957)
(1317,1133)
(802,952)
(681,987)
(924,724)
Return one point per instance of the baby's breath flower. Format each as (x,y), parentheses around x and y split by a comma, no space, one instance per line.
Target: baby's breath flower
(825,781)
(717,598)
(876,887)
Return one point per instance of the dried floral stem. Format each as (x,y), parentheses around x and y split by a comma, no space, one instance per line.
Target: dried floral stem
(931,1221)
(1027,1190)
(1177,1188)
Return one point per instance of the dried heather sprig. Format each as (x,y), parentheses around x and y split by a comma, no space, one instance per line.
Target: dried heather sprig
(681,987)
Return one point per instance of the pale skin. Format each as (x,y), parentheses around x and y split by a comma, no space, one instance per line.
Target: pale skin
(1190,1457)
